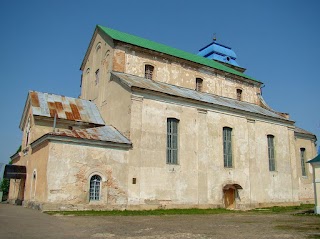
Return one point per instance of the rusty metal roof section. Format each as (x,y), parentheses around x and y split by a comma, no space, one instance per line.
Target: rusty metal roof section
(173,90)
(105,133)
(68,108)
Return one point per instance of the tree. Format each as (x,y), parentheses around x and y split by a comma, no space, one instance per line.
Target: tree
(4,186)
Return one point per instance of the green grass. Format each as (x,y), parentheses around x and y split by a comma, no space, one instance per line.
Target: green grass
(276,209)
(192,211)
(156,212)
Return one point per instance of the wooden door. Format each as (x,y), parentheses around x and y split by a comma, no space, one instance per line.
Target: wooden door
(229,198)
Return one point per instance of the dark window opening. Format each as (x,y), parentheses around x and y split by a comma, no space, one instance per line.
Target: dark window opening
(97,76)
(148,72)
(303,162)
(239,94)
(199,83)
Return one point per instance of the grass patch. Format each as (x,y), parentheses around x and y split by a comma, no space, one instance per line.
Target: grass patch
(314,236)
(157,212)
(193,211)
(288,209)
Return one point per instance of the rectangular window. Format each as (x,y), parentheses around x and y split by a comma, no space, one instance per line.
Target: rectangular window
(227,147)
(272,163)
(199,82)
(303,163)
(148,72)
(172,141)
(239,94)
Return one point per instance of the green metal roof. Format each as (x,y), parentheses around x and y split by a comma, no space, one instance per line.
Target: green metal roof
(315,160)
(151,45)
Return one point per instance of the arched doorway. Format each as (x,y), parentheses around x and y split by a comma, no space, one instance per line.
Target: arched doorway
(229,195)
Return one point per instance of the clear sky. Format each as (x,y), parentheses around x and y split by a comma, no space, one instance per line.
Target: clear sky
(42,44)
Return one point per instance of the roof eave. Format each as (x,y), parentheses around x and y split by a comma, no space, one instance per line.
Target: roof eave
(305,136)
(69,139)
(89,47)
(27,105)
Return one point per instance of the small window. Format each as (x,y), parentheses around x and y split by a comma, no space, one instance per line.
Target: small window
(97,76)
(28,132)
(199,83)
(239,94)
(172,141)
(227,147)
(95,184)
(303,161)
(272,163)
(148,72)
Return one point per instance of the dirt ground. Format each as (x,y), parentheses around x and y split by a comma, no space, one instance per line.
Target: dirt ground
(19,222)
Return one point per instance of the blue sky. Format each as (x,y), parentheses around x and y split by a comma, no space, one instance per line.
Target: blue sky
(42,45)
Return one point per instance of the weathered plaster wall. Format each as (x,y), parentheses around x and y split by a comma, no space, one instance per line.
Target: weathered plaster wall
(178,72)
(69,189)
(199,177)
(100,56)
(305,182)
(118,108)
(36,187)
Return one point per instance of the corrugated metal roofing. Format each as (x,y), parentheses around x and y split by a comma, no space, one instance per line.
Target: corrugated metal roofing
(302,131)
(135,81)
(105,133)
(151,45)
(49,105)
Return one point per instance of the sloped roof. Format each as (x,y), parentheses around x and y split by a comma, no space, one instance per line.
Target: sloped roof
(302,131)
(68,108)
(105,133)
(173,90)
(151,45)
(315,160)
(104,136)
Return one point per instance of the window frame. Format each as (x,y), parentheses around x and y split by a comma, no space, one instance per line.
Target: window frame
(239,94)
(303,162)
(271,153)
(172,140)
(227,147)
(149,73)
(199,84)
(94,194)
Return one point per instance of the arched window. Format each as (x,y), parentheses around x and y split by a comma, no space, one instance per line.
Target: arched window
(95,184)
(303,161)
(199,82)
(148,71)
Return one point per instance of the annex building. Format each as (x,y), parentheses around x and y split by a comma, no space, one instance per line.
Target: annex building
(157,127)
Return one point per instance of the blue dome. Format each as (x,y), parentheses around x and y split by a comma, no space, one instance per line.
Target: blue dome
(219,52)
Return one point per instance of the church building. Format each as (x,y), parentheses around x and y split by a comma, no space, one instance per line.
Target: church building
(158,127)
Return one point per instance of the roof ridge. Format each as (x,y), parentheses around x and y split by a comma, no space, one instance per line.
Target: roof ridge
(160,47)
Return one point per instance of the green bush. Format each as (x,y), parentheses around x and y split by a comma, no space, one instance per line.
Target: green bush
(4,186)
